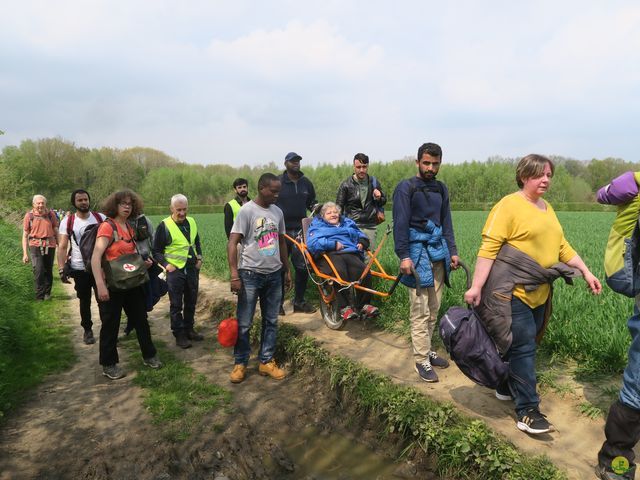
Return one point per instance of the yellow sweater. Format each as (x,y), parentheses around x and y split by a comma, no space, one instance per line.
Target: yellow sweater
(516,221)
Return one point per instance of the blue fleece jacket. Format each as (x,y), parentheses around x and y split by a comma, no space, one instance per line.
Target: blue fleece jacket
(322,236)
(425,248)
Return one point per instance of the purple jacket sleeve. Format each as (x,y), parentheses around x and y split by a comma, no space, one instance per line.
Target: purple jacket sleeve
(621,190)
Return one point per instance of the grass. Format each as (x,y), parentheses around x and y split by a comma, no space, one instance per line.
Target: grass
(33,340)
(176,397)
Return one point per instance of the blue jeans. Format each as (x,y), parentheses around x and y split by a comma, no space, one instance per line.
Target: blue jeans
(526,322)
(266,287)
(630,393)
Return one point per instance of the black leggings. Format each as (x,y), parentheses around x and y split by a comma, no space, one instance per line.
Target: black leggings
(132,301)
(349,266)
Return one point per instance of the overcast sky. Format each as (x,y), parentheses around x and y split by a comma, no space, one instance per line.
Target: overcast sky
(248,81)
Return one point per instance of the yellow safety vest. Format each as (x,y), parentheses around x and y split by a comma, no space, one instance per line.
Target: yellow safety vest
(235,207)
(177,252)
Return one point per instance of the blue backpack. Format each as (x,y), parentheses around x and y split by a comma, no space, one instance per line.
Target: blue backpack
(471,347)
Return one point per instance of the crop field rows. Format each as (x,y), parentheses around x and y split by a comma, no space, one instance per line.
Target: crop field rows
(588,330)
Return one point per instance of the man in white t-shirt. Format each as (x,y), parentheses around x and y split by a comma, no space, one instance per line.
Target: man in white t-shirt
(70,262)
(259,228)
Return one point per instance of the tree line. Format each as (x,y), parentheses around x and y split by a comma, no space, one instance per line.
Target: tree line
(54,167)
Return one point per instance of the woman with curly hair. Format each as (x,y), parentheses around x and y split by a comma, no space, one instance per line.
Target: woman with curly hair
(116,238)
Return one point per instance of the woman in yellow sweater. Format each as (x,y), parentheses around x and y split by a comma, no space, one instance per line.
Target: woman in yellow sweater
(528,223)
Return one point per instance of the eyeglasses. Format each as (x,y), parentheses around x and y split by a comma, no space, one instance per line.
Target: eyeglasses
(126,204)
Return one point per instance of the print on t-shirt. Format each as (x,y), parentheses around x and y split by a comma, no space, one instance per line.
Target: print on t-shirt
(266,236)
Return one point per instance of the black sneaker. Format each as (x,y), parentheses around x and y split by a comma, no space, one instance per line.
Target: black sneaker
(426,372)
(193,335)
(503,392)
(604,473)
(281,312)
(114,372)
(437,361)
(182,340)
(88,337)
(304,307)
(534,422)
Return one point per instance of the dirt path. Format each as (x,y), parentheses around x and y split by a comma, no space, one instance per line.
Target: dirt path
(80,425)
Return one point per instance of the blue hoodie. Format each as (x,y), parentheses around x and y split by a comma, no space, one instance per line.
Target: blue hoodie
(322,236)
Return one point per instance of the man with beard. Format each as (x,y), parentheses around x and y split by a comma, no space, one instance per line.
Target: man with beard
(70,264)
(232,207)
(422,216)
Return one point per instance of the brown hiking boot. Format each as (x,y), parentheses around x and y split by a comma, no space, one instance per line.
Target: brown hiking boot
(272,370)
(238,373)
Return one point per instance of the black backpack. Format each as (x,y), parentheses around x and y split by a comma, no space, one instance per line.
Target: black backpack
(141,228)
(471,347)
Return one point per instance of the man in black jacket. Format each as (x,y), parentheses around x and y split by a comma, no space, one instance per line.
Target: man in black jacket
(360,197)
(297,195)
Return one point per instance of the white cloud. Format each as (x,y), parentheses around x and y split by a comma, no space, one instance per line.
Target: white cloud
(297,50)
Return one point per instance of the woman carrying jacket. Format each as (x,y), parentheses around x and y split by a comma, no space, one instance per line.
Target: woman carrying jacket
(344,243)
(526,222)
(118,207)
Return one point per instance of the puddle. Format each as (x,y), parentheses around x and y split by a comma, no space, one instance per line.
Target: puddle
(321,456)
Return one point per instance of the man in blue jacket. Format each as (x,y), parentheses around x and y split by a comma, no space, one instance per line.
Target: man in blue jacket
(421,209)
(297,195)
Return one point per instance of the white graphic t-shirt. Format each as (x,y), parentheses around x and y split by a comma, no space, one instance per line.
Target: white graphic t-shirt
(261,229)
(79,226)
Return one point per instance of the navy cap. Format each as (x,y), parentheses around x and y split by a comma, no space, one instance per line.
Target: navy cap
(292,156)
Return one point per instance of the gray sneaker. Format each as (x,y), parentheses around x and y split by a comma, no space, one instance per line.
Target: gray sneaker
(153,362)
(114,372)
(426,372)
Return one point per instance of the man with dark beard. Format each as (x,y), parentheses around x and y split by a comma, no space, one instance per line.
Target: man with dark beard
(232,207)
(422,217)
(70,264)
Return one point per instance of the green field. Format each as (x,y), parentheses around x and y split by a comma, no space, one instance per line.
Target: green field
(590,330)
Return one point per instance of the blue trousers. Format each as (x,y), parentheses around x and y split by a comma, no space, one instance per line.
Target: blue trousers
(630,393)
(526,322)
(266,288)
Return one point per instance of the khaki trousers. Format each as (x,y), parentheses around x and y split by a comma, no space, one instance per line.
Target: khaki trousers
(423,314)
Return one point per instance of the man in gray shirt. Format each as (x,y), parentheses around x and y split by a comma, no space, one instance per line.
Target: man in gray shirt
(259,228)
